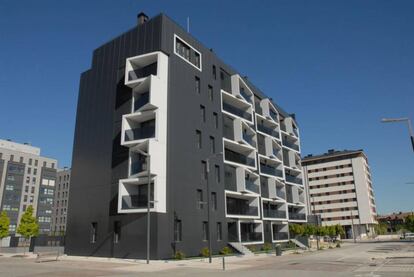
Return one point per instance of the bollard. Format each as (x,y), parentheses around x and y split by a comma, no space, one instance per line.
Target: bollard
(278,250)
(224,264)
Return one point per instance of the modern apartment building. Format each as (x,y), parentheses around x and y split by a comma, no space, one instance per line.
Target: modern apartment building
(213,138)
(339,188)
(26,178)
(60,203)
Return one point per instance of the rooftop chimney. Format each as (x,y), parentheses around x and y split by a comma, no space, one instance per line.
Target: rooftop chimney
(142,18)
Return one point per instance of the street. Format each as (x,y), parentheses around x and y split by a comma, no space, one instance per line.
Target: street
(393,258)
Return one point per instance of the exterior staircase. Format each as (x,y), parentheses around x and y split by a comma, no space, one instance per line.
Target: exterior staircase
(239,247)
(299,244)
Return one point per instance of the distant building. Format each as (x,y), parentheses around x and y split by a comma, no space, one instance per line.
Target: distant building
(393,220)
(340,190)
(26,178)
(60,204)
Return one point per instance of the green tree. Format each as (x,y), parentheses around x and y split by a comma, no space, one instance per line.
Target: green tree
(340,231)
(28,226)
(309,230)
(4,226)
(409,223)
(296,229)
(381,229)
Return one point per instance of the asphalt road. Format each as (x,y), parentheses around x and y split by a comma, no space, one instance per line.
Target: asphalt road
(369,259)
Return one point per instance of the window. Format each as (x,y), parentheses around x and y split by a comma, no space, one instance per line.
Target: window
(197,85)
(36,162)
(214,72)
(44,164)
(117,231)
(200,202)
(35,171)
(26,189)
(186,52)
(203,113)
(9,187)
(177,230)
(198,139)
(32,190)
(204,170)
(217,173)
(1,156)
(216,123)
(94,232)
(29,170)
(212,145)
(25,198)
(24,208)
(214,201)
(219,231)
(30,161)
(10,177)
(205,231)
(31,199)
(21,159)
(11,157)
(210,93)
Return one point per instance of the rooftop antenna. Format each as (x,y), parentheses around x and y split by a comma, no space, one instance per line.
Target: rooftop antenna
(188,24)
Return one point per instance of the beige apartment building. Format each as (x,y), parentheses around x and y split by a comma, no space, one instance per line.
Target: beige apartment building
(339,189)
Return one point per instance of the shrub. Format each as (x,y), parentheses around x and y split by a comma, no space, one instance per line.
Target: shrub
(225,251)
(267,247)
(205,252)
(252,248)
(179,255)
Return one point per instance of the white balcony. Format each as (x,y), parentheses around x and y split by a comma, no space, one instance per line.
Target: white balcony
(239,155)
(273,188)
(239,205)
(238,130)
(280,231)
(268,110)
(138,68)
(274,210)
(241,179)
(267,127)
(270,167)
(138,127)
(236,107)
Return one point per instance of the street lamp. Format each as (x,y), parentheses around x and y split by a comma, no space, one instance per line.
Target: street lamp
(406,119)
(208,204)
(148,156)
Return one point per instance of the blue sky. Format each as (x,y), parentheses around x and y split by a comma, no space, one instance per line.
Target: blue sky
(339,65)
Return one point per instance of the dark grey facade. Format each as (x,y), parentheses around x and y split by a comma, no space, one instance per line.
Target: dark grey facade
(95,226)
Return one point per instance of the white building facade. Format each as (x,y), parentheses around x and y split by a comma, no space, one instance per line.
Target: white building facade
(339,188)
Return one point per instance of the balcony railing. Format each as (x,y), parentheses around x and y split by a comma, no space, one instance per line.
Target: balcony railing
(135,202)
(250,237)
(141,101)
(244,210)
(248,138)
(247,97)
(238,158)
(271,171)
(236,111)
(250,185)
(268,131)
(280,236)
(137,167)
(274,213)
(140,133)
(291,145)
(142,72)
(297,216)
(280,193)
(273,115)
(293,179)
